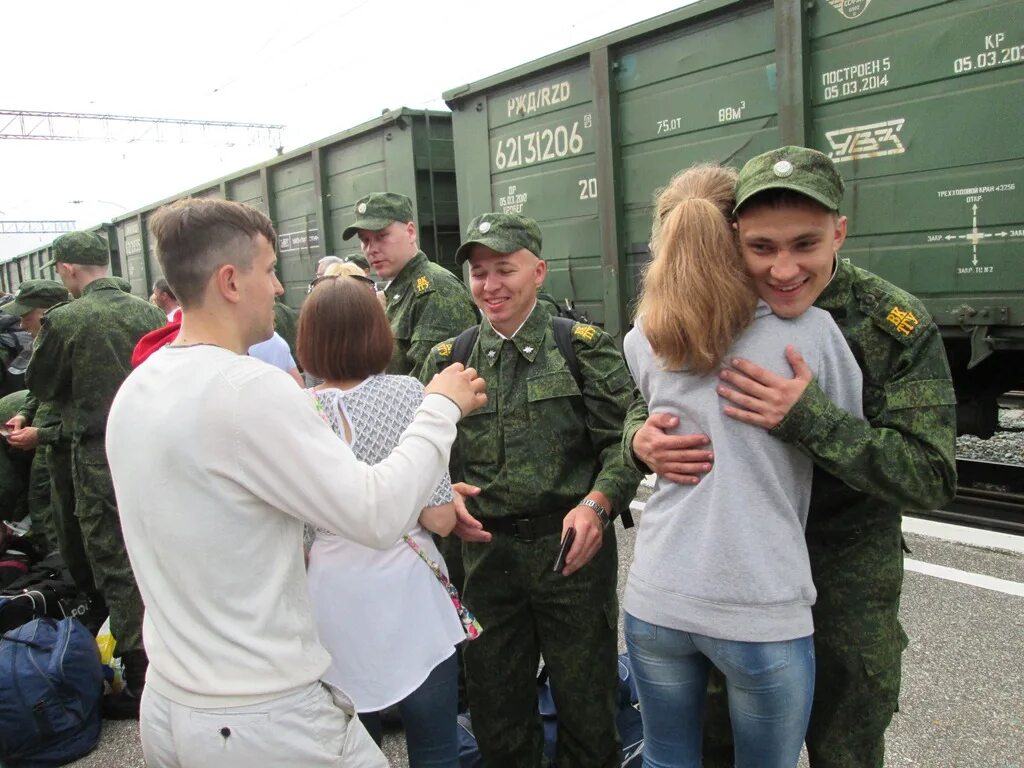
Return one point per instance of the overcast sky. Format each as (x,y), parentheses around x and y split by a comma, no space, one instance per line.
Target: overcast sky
(316,67)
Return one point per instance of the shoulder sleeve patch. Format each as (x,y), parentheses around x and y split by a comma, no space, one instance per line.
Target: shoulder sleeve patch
(584,332)
(903,320)
(896,312)
(422,284)
(443,350)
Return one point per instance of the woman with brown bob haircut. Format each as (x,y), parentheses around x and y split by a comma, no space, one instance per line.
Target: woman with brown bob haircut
(392,639)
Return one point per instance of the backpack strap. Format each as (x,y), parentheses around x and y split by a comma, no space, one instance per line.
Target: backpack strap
(466,340)
(463,345)
(563,340)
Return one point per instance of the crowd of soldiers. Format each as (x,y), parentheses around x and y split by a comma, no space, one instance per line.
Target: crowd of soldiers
(561,443)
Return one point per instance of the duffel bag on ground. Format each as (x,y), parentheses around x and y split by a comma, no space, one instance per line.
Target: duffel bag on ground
(628,720)
(47,589)
(50,688)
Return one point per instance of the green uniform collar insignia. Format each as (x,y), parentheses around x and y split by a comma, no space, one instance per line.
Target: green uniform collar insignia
(405,280)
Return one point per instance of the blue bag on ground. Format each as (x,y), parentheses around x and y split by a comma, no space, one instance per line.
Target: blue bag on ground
(628,721)
(51,682)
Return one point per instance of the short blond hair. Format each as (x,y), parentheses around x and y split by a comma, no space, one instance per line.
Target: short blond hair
(696,296)
(345,269)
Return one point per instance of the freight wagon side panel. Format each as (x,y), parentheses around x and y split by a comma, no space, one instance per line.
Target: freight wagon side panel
(921,112)
(293,211)
(705,92)
(131,244)
(353,168)
(246,189)
(436,197)
(919,105)
(530,150)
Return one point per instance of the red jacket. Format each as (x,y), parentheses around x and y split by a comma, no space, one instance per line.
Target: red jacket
(153,340)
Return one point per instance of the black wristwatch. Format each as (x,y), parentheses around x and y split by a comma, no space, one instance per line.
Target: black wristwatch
(601,511)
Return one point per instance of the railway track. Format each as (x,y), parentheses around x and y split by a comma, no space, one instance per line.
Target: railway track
(989,495)
(1013,399)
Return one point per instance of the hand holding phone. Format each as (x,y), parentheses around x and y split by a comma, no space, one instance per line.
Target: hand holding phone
(563,551)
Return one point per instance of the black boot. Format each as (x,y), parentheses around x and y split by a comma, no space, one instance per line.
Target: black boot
(124,705)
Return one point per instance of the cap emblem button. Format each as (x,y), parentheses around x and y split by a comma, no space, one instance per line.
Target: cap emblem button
(782,169)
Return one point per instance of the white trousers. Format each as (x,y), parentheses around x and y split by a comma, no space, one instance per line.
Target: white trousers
(307,729)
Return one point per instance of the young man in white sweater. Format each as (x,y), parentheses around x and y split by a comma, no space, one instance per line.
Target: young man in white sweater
(218,460)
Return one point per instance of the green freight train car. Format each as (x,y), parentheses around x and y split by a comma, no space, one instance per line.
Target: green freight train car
(29,265)
(310,195)
(917,101)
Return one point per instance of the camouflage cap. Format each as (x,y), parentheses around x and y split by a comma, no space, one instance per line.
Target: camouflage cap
(376,211)
(358,260)
(501,232)
(35,294)
(798,169)
(79,248)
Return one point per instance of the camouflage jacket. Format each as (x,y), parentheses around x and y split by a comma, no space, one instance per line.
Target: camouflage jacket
(900,457)
(286,323)
(15,464)
(539,445)
(84,352)
(44,417)
(425,305)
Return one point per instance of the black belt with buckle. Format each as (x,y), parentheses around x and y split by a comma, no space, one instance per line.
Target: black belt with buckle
(525,528)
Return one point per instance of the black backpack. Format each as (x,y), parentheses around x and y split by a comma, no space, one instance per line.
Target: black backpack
(15,352)
(47,589)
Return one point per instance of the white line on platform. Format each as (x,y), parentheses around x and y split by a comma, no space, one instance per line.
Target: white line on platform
(955,533)
(961,534)
(965,577)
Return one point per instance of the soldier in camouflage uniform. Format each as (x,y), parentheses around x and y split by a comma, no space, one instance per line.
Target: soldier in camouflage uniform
(425,303)
(36,426)
(82,355)
(867,472)
(15,464)
(286,323)
(544,457)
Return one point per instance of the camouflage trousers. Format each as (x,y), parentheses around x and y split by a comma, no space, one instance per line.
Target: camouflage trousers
(858,646)
(100,535)
(528,611)
(40,508)
(62,504)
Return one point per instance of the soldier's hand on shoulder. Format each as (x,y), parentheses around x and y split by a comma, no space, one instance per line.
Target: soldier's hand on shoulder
(460,385)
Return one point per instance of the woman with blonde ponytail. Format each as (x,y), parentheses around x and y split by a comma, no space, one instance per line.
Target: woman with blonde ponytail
(720,575)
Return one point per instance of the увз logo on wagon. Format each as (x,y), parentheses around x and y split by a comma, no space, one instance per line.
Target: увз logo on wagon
(864,141)
(851,9)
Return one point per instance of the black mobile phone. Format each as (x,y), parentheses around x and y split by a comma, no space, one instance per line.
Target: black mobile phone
(564,550)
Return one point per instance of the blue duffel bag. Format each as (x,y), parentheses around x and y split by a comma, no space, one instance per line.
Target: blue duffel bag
(51,683)
(628,721)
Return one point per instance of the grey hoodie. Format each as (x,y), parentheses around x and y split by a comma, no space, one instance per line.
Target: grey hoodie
(726,558)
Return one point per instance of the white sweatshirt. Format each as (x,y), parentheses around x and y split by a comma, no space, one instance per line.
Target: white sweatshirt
(217,460)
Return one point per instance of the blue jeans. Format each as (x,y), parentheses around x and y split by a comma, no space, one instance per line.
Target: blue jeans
(429,716)
(770,685)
